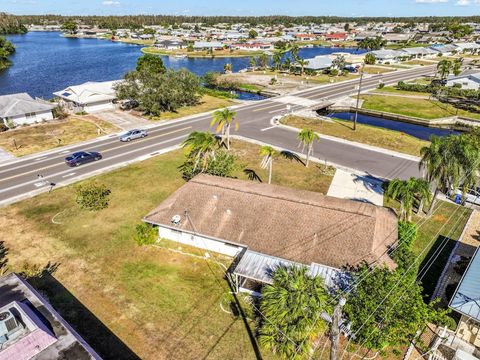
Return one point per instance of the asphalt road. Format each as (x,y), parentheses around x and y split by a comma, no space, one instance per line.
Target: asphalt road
(19,179)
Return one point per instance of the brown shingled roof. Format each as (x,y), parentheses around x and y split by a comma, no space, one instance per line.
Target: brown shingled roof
(292,224)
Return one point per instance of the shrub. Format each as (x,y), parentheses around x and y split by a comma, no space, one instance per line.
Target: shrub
(223,165)
(407,233)
(145,234)
(93,197)
(3,127)
(60,112)
(381,85)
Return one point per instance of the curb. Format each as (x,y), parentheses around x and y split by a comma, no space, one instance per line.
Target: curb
(357,144)
(86,176)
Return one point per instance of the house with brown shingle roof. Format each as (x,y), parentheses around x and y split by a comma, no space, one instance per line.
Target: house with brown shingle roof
(264,226)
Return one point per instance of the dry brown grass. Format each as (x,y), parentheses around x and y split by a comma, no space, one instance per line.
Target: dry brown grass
(31,139)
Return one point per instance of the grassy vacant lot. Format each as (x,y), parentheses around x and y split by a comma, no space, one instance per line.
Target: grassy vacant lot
(421,108)
(30,139)
(366,134)
(372,69)
(314,79)
(420,62)
(207,103)
(194,54)
(395,91)
(161,304)
(436,238)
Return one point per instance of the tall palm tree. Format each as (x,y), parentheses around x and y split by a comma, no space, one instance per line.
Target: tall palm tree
(224,119)
(443,68)
(291,306)
(277,59)
(406,191)
(457,67)
(201,146)
(294,52)
(307,137)
(268,154)
(439,162)
(287,64)
(302,63)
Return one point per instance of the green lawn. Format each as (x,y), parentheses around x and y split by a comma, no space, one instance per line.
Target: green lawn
(421,108)
(160,303)
(436,238)
(395,91)
(366,134)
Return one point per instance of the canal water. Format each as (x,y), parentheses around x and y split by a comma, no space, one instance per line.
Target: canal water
(46,62)
(418,131)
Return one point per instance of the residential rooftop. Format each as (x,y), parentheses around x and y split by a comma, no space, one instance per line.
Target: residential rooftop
(31,329)
(295,225)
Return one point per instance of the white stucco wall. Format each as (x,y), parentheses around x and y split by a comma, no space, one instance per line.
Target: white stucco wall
(39,117)
(102,106)
(198,241)
(466,84)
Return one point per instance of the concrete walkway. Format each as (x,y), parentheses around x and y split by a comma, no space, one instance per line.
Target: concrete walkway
(123,120)
(356,186)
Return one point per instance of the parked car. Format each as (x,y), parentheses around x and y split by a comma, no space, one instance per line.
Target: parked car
(82,157)
(472,196)
(133,134)
(129,105)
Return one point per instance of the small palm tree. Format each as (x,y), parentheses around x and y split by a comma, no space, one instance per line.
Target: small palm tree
(307,137)
(224,119)
(287,64)
(201,146)
(406,191)
(302,63)
(227,68)
(292,304)
(294,51)
(268,154)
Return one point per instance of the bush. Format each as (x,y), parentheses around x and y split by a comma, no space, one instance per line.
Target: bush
(381,85)
(145,234)
(60,112)
(407,233)
(3,127)
(93,197)
(223,165)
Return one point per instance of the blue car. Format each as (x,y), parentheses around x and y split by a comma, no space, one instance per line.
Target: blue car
(82,157)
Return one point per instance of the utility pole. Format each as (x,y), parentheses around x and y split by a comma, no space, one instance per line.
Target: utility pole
(358,97)
(335,329)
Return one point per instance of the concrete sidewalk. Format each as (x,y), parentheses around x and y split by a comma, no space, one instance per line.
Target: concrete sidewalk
(356,186)
(5,156)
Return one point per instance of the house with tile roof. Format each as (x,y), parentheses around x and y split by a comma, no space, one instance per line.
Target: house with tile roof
(265,226)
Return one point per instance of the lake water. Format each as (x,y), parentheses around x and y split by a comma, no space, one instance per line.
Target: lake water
(418,131)
(46,62)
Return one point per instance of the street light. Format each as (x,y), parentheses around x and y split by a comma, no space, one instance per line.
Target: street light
(358,97)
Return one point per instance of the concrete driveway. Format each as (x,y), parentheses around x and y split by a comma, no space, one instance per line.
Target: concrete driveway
(123,119)
(356,186)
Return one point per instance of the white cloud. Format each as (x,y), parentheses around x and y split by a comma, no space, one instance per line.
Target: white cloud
(110,3)
(467,2)
(432,1)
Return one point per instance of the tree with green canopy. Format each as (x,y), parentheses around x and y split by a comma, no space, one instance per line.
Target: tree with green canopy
(201,147)
(406,191)
(291,306)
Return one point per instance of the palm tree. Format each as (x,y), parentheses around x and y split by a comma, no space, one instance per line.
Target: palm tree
(406,191)
(277,59)
(339,63)
(443,68)
(224,119)
(263,61)
(307,138)
(291,306)
(287,64)
(457,67)
(440,165)
(302,63)
(268,154)
(294,52)
(201,146)
(252,63)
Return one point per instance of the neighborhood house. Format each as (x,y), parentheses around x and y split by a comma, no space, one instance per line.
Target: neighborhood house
(31,329)
(265,226)
(89,97)
(22,109)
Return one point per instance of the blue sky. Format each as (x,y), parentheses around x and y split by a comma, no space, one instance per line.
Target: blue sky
(245,7)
